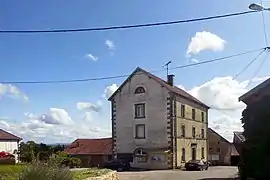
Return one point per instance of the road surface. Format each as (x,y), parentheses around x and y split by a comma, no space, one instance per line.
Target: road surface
(213,173)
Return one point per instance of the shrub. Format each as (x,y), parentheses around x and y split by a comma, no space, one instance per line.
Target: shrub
(7,161)
(41,171)
(65,161)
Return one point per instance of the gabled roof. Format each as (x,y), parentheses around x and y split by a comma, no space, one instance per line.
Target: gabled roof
(101,146)
(255,90)
(212,131)
(240,136)
(173,89)
(4,135)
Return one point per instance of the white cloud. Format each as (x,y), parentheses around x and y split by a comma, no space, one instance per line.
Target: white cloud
(221,94)
(181,87)
(259,79)
(12,91)
(109,90)
(92,57)
(205,41)
(110,44)
(193,60)
(56,126)
(89,106)
(54,116)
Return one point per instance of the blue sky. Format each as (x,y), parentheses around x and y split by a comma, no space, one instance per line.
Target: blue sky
(37,57)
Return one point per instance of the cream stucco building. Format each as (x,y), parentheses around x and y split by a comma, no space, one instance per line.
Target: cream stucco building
(156,125)
(9,143)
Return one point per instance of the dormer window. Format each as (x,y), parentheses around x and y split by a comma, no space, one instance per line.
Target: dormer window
(139,90)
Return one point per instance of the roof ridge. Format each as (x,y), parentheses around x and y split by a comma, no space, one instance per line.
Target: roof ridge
(175,87)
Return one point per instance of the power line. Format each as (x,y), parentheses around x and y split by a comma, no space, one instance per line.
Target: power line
(217,59)
(264,27)
(222,110)
(128,26)
(249,64)
(126,75)
(259,68)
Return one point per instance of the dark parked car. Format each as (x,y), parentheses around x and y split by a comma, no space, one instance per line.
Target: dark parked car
(117,165)
(196,165)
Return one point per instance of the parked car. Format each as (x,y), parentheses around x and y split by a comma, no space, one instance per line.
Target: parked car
(196,165)
(117,165)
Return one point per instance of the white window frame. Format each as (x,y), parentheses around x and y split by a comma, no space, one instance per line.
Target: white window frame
(136,132)
(143,112)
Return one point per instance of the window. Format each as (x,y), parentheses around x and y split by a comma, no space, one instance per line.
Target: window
(193,114)
(202,153)
(140,131)
(193,132)
(158,158)
(140,110)
(202,114)
(218,149)
(182,110)
(183,157)
(202,133)
(139,90)
(183,131)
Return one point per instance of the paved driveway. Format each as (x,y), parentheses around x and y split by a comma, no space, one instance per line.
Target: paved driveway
(213,173)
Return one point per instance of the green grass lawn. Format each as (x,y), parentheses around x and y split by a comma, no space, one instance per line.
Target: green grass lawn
(10,172)
(93,172)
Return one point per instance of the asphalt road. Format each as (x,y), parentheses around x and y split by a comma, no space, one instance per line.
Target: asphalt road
(213,173)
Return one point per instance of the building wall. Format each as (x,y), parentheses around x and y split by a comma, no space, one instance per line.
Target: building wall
(9,146)
(155,120)
(219,148)
(188,140)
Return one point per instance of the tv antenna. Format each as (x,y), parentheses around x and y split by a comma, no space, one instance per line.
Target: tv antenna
(167,67)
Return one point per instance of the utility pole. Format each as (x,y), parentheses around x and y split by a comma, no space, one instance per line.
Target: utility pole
(167,67)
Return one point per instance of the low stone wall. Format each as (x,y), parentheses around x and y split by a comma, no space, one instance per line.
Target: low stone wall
(109,176)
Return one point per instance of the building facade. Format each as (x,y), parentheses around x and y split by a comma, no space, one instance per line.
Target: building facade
(9,143)
(156,125)
(220,149)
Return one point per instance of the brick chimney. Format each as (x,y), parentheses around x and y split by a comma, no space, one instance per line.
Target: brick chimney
(170,79)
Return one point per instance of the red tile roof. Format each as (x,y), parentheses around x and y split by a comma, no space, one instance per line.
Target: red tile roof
(4,135)
(173,89)
(101,146)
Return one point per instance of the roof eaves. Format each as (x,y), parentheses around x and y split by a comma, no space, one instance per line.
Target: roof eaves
(197,101)
(219,135)
(14,137)
(117,90)
(254,90)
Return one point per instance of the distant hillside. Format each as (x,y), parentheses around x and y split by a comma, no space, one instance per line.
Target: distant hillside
(56,144)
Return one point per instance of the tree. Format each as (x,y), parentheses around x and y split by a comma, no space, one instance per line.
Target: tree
(30,151)
(27,151)
(255,156)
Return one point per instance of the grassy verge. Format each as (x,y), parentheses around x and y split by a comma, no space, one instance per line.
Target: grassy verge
(93,172)
(10,172)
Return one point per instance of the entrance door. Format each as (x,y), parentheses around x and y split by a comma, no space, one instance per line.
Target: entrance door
(193,151)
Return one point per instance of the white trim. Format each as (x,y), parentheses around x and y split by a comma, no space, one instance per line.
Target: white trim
(145,110)
(134,131)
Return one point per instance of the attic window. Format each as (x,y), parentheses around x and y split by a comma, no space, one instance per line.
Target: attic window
(139,90)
